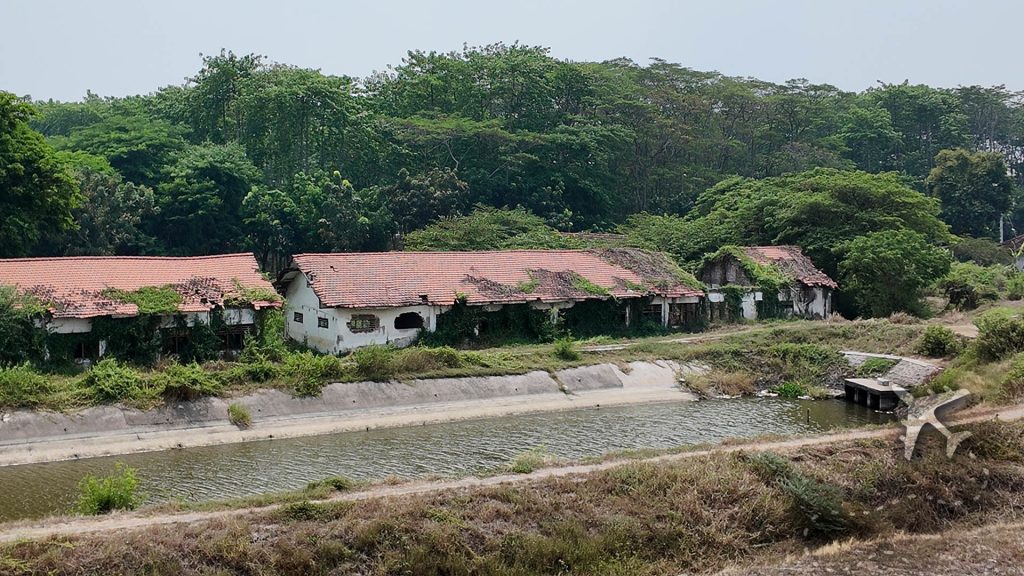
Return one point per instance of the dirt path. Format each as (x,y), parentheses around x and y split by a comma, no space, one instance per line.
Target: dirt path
(33,530)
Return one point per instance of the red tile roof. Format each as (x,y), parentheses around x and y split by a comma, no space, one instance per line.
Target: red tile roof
(73,287)
(392,279)
(791,261)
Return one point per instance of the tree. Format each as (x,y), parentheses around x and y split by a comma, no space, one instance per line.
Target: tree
(417,201)
(489,229)
(110,221)
(974,188)
(37,189)
(270,217)
(885,272)
(140,148)
(201,201)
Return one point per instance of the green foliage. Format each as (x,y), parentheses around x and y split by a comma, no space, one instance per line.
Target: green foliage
(981,251)
(1000,334)
(336,483)
(20,340)
(565,349)
(102,495)
(876,366)
(885,272)
(111,381)
(134,340)
(938,342)
(465,325)
(188,382)
(1011,387)
(968,284)
(583,285)
(149,299)
(768,278)
(529,461)
(489,229)
(790,390)
(309,372)
(974,189)
(23,387)
(39,190)
(375,362)
(239,415)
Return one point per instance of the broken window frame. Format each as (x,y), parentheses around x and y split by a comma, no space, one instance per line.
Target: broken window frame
(363,323)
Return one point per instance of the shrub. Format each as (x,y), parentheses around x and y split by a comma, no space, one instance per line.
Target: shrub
(1011,387)
(724,382)
(310,371)
(113,382)
(1000,334)
(565,349)
(338,483)
(529,461)
(1015,286)
(22,387)
(790,390)
(818,507)
(938,342)
(239,415)
(967,284)
(188,382)
(420,359)
(876,366)
(375,362)
(109,493)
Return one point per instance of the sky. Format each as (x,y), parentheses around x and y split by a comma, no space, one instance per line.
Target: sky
(53,49)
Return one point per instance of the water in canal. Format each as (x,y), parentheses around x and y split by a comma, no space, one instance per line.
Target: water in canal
(449,449)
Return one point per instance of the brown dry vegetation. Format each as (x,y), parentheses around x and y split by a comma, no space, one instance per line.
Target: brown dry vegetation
(699,515)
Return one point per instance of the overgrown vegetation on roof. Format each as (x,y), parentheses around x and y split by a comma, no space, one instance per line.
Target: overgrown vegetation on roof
(770,279)
(655,269)
(245,295)
(148,299)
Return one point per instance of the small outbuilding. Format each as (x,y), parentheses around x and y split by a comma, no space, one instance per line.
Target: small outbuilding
(340,302)
(751,282)
(84,301)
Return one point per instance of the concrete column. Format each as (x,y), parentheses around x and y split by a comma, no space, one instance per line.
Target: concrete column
(664,313)
(628,312)
(554,314)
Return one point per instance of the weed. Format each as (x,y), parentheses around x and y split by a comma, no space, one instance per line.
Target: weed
(375,362)
(113,382)
(239,415)
(565,349)
(109,493)
(529,461)
(336,483)
(938,342)
(876,367)
(188,382)
(790,390)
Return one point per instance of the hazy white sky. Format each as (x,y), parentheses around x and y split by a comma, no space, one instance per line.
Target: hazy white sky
(59,49)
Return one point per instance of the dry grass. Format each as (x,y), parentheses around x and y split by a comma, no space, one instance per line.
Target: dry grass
(699,515)
(722,383)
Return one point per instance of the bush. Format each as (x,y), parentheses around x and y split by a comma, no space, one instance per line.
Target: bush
(790,390)
(723,382)
(188,382)
(310,371)
(565,349)
(109,493)
(239,415)
(529,461)
(1000,334)
(419,359)
(375,362)
(818,507)
(113,382)
(337,483)
(938,342)
(967,284)
(876,366)
(1011,387)
(1015,286)
(22,387)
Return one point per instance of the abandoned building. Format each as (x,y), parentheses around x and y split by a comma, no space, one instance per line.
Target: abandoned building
(339,302)
(749,282)
(173,295)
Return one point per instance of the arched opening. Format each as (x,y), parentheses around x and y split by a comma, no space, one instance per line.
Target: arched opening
(408,321)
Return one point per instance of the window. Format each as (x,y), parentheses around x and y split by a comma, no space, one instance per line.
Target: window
(297,317)
(408,321)
(363,323)
(322,322)
(87,351)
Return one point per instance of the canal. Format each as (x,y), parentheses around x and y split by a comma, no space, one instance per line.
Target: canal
(452,449)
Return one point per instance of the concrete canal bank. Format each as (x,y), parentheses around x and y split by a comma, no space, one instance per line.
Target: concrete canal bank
(33,437)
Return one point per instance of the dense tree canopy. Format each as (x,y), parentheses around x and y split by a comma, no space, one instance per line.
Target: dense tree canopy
(249,154)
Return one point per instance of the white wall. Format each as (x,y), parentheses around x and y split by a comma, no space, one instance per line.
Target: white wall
(337,337)
(748,305)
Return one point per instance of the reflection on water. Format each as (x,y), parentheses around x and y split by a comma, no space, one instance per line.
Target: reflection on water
(449,449)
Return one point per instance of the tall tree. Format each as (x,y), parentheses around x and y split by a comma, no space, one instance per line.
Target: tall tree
(974,189)
(37,188)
